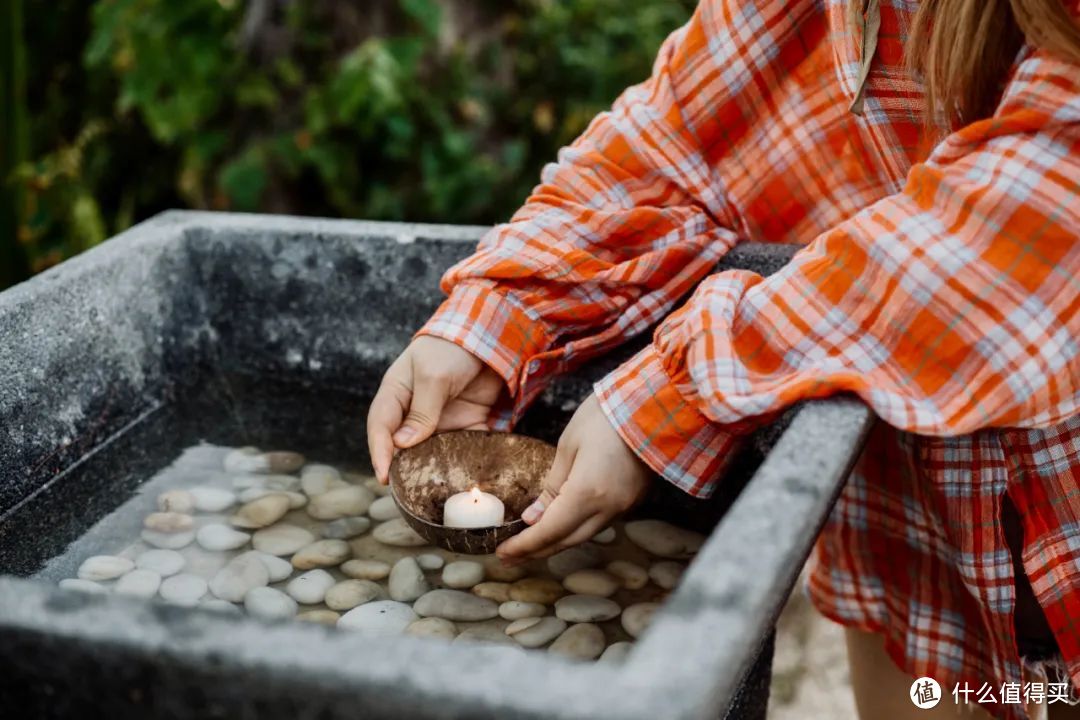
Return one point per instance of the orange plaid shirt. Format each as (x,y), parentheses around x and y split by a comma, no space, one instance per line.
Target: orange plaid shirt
(940,282)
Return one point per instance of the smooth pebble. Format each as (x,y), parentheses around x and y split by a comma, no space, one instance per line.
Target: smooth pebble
(456,605)
(310,587)
(583,641)
(489,634)
(180,501)
(497,591)
(139,583)
(219,606)
(163,562)
(382,617)
(432,627)
(633,577)
(342,502)
(517,610)
(262,512)
(397,533)
(183,589)
(366,569)
(219,538)
(317,479)
(277,568)
(168,522)
(579,557)
(322,617)
(664,539)
(250,460)
(586,609)
(462,574)
(407,581)
(281,539)
(347,594)
(376,487)
(296,500)
(104,567)
(167,541)
(212,500)
(538,590)
(346,527)
(87,586)
(321,553)
(666,573)
(616,653)
(605,536)
(635,618)
(430,561)
(239,575)
(267,603)
(522,624)
(541,633)
(592,582)
(384,508)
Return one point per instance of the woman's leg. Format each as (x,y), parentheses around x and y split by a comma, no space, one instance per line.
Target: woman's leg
(882,689)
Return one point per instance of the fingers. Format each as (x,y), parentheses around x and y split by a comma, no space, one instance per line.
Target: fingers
(553,480)
(384,416)
(430,393)
(561,519)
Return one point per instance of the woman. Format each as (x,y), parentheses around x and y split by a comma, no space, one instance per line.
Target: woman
(928,157)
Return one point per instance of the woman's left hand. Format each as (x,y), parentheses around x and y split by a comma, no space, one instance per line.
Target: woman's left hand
(594,477)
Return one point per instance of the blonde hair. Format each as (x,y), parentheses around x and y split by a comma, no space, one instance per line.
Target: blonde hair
(963,49)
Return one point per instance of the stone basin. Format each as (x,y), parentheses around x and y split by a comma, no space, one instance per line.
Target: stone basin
(276,330)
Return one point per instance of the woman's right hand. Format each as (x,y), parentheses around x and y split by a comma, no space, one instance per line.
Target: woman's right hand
(433,385)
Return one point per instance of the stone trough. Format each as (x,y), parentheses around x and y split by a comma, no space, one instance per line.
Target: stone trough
(275,331)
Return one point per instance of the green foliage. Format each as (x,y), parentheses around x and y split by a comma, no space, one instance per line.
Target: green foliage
(428,110)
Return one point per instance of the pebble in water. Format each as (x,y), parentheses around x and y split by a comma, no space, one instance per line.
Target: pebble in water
(605,536)
(296,500)
(580,557)
(635,618)
(250,460)
(281,539)
(277,568)
(616,653)
(517,610)
(168,522)
(183,589)
(432,627)
(382,617)
(522,624)
(180,501)
(376,487)
(310,587)
(462,574)
(384,508)
(490,634)
(318,479)
(139,583)
(347,594)
(456,605)
(586,609)
(430,561)
(494,569)
(397,533)
(592,582)
(260,513)
(664,539)
(219,538)
(212,500)
(267,603)
(340,502)
(583,641)
(88,586)
(167,541)
(346,527)
(497,591)
(666,573)
(163,562)
(366,569)
(239,575)
(633,577)
(322,617)
(321,553)
(407,581)
(104,567)
(219,606)
(540,633)
(538,590)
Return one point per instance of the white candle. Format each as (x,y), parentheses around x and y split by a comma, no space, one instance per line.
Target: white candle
(473,509)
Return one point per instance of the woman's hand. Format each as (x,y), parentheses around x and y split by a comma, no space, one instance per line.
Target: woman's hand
(433,385)
(594,477)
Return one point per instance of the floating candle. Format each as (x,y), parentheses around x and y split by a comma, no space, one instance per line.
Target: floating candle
(473,509)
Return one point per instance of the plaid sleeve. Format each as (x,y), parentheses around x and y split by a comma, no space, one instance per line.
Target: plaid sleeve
(951,306)
(626,222)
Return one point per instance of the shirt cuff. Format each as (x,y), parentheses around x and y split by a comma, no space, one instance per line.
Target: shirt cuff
(668,433)
(498,330)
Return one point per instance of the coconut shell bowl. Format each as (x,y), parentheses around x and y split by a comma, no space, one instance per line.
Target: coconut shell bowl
(510,467)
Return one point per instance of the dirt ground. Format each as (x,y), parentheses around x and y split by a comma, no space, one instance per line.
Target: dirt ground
(810,668)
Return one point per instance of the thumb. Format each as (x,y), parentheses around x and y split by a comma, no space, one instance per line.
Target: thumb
(553,481)
(429,396)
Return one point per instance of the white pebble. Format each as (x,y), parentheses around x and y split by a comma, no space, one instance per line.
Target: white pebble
(139,583)
(296,500)
(88,586)
(366,569)
(222,606)
(666,573)
(183,589)
(463,574)
(168,522)
(104,567)
(347,594)
(281,539)
(318,479)
(633,577)
(211,499)
(384,508)
(664,539)
(278,568)
(218,537)
(583,641)
(167,541)
(382,617)
(407,581)
(163,562)
(616,653)
(397,533)
(541,633)
(267,603)
(346,527)
(240,575)
(321,553)
(310,587)
(586,609)
(517,610)
(336,503)
(605,536)
(636,618)
(180,501)
(430,561)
